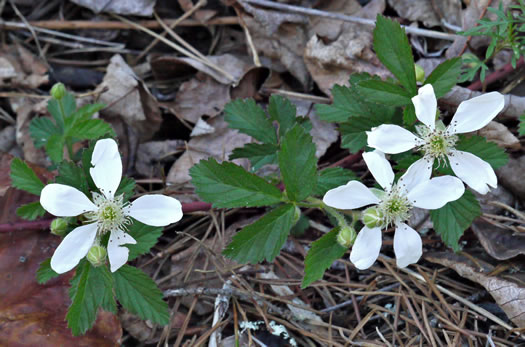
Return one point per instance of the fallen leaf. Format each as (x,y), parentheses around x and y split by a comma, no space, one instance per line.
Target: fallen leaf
(135,8)
(512,176)
(201,128)
(20,68)
(509,295)
(424,11)
(500,243)
(151,155)
(499,133)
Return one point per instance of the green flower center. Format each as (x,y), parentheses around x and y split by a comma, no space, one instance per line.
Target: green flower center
(111,214)
(395,207)
(438,145)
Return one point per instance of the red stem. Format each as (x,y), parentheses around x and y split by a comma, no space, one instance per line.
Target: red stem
(496,75)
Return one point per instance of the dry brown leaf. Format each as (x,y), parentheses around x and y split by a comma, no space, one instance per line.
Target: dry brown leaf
(501,244)
(512,176)
(135,8)
(20,68)
(509,295)
(329,29)
(499,133)
(150,156)
(331,63)
(424,11)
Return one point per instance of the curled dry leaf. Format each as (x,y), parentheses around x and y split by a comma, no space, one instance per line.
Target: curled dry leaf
(135,8)
(146,332)
(20,68)
(499,133)
(428,11)
(512,176)
(509,295)
(150,156)
(500,243)
(351,52)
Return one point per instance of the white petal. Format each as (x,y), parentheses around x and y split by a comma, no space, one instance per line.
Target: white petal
(392,139)
(156,210)
(408,246)
(425,104)
(352,195)
(477,112)
(118,255)
(366,248)
(73,247)
(380,168)
(65,201)
(107,167)
(419,171)
(475,172)
(435,193)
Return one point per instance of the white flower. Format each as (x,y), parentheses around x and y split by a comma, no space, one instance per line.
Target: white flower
(394,204)
(107,212)
(438,142)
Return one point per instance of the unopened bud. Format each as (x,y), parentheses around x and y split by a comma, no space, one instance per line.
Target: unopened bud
(470,60)
(346,236)
(97,255)
(372,217)
(58,91)
(420,73)
(58,226)
(297,215)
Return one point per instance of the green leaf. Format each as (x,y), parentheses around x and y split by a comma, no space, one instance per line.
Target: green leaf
(262,239)
(61,109)
(298,163)
(126,187)
(45,272)
(455,217)
(283,111)
(331,178)
(445,76)
(31,211)
(146,237)
(409,115)
(228,185)
(353,133)
(88,290)
(488,151)
(321,256)
(385,92)
(24,178)
(55,148)
(72,175)
(90,129)
(137,292)
(394,51)
(301,226)
(259,154)
(41,129)
(87,111)
(521,129)
(250,119)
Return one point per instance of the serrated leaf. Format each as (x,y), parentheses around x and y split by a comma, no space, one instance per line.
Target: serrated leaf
(90,129)
(445,76)
(262,239)
(87,111)
(409,115)
(72,175)
(146,237)
(45,272)
(61,109)
(228,185)
(250,119)
(55,148)
(353,133)
(384,92)
(282,111)
(126,187)
(259,154)
(31,211)
(488,151)
(320,257)
(88,289)
(394,51)
(332,177)
(451,220)
(521,129)
(137,292)
(41,129)
(298,163)
(301,226)
(24,178)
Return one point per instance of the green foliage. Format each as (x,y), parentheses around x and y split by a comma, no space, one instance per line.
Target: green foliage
(331,178)
(264,238)
(353,134)
(126,187)
(259,154)
(384,92)
(488,151)
(41,129)
(72,175)
(140,295)
(320,257)
(24,178)
(146,237)
(445,76)
(30,211)
(45,272)
(521,129)
(394,51)
(451,220)
(282,111)
(298,163)
(250,119)
(228,185)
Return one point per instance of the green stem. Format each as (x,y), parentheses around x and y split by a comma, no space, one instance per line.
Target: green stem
(339,217)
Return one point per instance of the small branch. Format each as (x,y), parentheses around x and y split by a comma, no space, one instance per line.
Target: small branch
(345,18)
(195,206)
(496,75)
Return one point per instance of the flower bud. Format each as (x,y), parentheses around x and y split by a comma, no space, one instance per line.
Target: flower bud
(58,226)
(470,60)
(297,215)
(346,236)
(420,73)
(372,217)
(58,91)
(97,255)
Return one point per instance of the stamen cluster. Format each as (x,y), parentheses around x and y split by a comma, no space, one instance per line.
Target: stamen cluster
(112,214)
(395,207)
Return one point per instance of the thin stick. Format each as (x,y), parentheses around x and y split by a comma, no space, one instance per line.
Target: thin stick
(31,29)
(345,18)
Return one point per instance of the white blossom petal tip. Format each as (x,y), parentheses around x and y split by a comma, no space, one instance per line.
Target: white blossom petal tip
(435,193)
(107,167)
(156,210)
(392,139)
(350,196)
(380,168)
(366,248)
(477,112)
(475,172)
(73,248)
(408,246)
(425,105)
(117,254)
(65,201)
